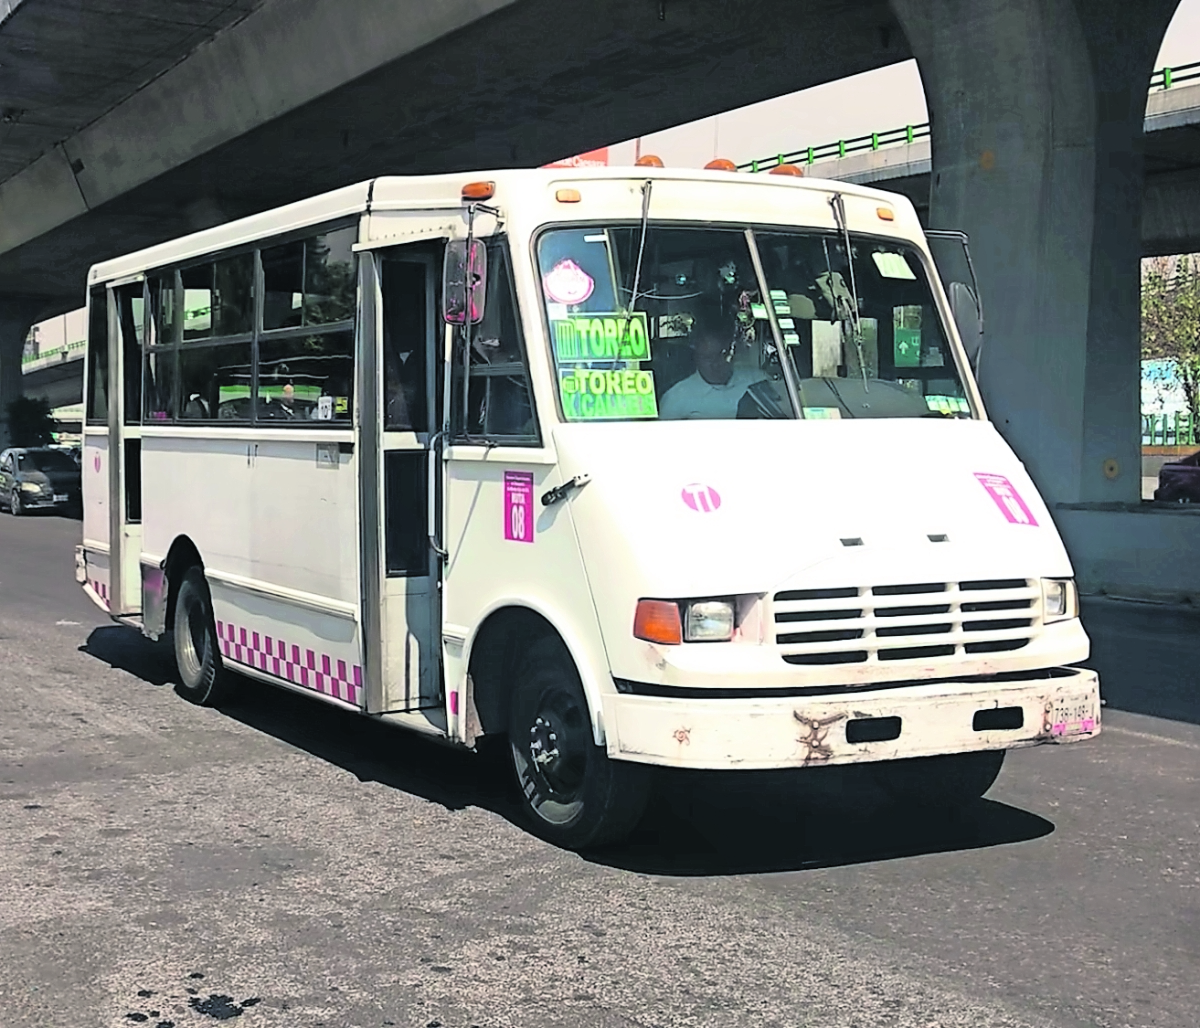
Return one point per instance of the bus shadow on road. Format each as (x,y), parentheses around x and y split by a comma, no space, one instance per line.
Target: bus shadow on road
(767,822)
(697,824)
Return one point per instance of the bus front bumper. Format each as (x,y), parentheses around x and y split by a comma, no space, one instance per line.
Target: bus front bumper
(1060,705)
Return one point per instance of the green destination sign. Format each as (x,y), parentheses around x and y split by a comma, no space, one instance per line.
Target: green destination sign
(598,337)
(600,395)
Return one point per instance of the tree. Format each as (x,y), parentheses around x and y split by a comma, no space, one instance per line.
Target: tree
(1171,320)
(29,422)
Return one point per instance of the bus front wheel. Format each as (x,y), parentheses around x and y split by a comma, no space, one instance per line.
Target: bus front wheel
(576,797)
(201,678)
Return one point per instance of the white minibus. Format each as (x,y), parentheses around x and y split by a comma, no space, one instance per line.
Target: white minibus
(630,467)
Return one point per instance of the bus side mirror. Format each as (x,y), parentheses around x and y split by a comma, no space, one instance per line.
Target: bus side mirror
(968,316)
(464,281)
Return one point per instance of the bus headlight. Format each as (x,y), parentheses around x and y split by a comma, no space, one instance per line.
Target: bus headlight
(1060,599)
(708,621)
(670,622)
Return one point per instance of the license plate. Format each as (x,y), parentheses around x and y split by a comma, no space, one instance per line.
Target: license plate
(1073,717)
(60,497)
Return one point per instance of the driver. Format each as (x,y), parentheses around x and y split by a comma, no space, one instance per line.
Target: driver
(713,390)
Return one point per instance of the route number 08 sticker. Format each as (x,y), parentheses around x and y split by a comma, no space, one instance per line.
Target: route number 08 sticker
(518,506)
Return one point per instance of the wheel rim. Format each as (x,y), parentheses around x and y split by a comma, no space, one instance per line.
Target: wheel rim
(14,502)
(556,747)
(194,643)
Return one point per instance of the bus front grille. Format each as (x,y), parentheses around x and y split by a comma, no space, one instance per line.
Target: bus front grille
(922,621)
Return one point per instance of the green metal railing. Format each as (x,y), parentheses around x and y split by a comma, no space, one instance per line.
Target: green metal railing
(1176,429)
(1164,78)
(59,353)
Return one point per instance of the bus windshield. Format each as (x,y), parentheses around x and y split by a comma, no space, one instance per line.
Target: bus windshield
(702,337)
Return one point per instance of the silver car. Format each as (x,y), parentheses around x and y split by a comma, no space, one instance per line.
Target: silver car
(33,478)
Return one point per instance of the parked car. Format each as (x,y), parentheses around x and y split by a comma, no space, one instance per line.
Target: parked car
(38,477)
(1179,482)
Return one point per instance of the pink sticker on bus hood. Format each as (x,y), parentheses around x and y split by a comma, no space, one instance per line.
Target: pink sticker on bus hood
(1006,497)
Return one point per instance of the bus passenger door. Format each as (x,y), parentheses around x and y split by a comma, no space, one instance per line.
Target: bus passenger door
(405,674)
(127,319)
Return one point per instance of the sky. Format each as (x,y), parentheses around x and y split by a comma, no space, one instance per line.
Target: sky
(871,102)
(874,101)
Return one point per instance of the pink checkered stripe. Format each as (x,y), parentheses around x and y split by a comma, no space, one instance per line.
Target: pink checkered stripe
(100,589)
(304,667)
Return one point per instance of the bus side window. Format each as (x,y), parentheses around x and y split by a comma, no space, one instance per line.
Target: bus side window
(97,357)
(406,340)
(214,382)
(131,323)
(499,402)
(158,379)
(406,532)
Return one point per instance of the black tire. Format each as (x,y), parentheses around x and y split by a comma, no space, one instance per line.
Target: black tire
(575,796)
(945,782)
(202,679)
(14,503)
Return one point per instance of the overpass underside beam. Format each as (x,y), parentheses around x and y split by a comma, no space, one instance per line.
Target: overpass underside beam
(1037,110)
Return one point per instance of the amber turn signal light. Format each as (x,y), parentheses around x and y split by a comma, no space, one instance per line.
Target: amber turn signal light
(657,621)
(479,190)
(648,160)
(720,164)
(885,213)
(567,196)
(787,169)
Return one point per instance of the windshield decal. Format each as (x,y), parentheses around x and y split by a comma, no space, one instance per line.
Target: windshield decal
(596,337)
(589,395)
(948,404)
(518,506)
(1006,497)
(703,499)
(567,282)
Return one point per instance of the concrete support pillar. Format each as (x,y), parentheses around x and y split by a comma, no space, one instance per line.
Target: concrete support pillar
(17,315)
(1037,109)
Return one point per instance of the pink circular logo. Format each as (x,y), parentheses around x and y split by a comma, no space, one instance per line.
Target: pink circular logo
(567,282)
(700,497)
(96,462)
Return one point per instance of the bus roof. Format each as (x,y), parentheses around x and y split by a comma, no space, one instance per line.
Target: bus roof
(432,193)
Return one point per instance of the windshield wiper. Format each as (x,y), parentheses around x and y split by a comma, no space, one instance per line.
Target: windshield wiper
(839,215)
(647,186)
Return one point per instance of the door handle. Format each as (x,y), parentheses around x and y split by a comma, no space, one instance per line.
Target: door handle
(560,492)
(432,490)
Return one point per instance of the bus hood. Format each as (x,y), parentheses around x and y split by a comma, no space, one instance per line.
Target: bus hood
(691,509)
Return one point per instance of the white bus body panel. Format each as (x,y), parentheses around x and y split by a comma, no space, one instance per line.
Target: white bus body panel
(94,470)
(274,518)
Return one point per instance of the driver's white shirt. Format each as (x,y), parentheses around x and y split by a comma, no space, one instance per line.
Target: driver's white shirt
(695,398)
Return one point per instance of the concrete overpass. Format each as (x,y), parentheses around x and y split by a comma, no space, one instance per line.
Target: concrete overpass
(160,120)
(901,160)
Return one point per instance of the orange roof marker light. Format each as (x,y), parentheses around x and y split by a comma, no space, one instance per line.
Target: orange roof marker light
(787,169)
(885,213)
(720,164)
(649,160)
(479,190)
(567,195)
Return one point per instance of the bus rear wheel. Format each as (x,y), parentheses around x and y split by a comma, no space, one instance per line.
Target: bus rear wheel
(202,679)
(945,782)
(576,797)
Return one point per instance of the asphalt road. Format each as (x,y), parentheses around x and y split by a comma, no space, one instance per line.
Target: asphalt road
(288,865)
